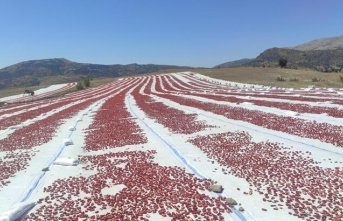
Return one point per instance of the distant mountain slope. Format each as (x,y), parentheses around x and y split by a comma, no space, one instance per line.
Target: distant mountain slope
(322,44)
(60,70)
(232,64)
(325,54)
(321,60)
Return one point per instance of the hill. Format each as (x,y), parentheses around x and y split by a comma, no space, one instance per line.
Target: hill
(321,60)
(322,44)
(233,64)
(60,70)
(325,55)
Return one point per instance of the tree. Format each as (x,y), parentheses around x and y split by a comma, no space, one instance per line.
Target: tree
(86,82)
(283,62)
(79,85)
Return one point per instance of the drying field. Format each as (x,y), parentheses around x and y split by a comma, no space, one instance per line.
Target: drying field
(151,147)
(38,94)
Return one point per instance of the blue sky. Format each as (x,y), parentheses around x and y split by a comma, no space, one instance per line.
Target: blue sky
(181,32)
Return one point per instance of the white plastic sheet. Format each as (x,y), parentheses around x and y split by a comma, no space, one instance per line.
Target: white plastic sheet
(68,142)
(17,212)
(66,162)
(292,113)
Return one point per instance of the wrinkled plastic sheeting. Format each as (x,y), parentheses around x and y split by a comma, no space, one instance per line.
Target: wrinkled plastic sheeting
(17,212)
(15,127)
(66,162)
(68,142)
(291,113)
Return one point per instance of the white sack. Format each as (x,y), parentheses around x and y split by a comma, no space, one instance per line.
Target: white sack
(66,162)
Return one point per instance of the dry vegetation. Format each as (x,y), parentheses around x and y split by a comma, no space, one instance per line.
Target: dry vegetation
(267,76)
(100,81)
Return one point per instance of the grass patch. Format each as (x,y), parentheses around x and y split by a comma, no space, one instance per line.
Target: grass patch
(280,79)
(266,76)
(315,79)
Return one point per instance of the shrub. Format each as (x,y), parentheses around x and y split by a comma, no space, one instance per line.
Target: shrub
(315,79)
(86,82)
(280,79)
(283,62)
(293,79)
(341,77)
(79,85)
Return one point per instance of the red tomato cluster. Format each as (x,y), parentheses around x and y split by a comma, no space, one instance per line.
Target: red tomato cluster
(284,177)
(149,188)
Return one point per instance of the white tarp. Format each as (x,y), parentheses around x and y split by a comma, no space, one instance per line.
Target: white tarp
(17,212)
(66,162)
(37,92)
(68,142)
(291,113)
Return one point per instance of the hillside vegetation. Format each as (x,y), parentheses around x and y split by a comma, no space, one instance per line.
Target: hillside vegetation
(321,60)
(233,64)
(59,70)
(324,55)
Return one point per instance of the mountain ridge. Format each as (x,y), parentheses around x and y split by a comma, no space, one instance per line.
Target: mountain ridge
(235,63)
(61,70)
(329,43)
(324,54)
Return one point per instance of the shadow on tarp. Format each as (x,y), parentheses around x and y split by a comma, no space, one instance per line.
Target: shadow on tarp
(17,212)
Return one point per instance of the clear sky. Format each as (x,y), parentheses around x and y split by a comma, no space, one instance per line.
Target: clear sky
(199,33)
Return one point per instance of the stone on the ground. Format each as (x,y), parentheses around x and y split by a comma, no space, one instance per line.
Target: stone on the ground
(231,201)
(216,188)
